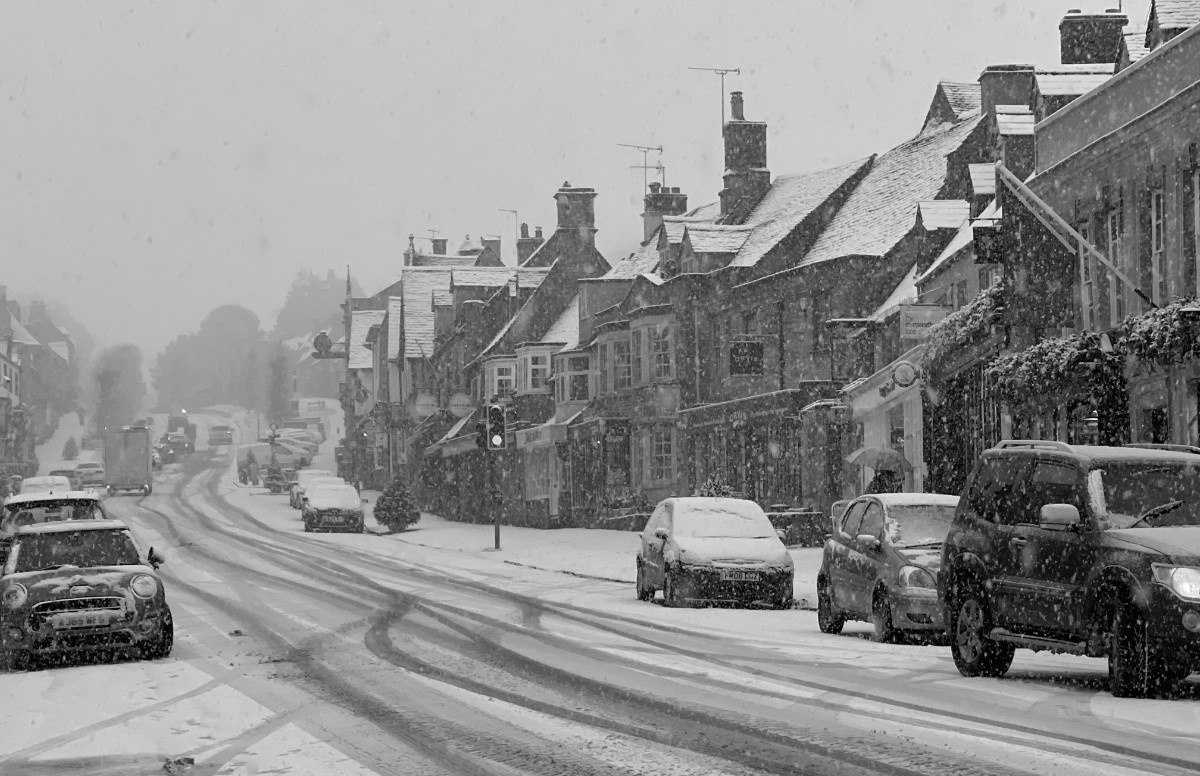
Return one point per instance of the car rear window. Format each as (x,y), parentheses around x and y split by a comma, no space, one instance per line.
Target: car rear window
(722,520)
(75,548)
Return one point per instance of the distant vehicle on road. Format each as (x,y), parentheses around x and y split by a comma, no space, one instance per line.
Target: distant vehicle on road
(179,443)
(220,435)
(80,586)
(90,474)
(47,484)
(128,463)
(881,563)
(713,549)
(165,453)
(333,507)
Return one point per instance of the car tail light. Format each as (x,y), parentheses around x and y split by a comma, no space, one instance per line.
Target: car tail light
(15,596)
(143,585)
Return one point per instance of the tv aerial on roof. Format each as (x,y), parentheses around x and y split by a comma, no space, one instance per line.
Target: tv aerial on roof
(645,166)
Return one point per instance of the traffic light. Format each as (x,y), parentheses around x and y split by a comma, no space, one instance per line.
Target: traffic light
(481,434)
(496,437)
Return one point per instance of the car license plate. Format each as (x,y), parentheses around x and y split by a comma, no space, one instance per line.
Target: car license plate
(737,575)
(90,620)
(334,518)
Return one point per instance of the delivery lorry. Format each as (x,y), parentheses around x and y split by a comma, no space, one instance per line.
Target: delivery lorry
(127,459)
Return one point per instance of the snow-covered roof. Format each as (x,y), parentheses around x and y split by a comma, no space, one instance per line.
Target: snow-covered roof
(943,213)
(789,201)
(644,259)
(1175,14)
(441,260)
(20,333)
(1014,120)
(964,98)
(1072,80)
(882,208)
(962,238)
(496,277)
(983,179)
(674,226)
(359,357)
(1135,44)
(455,429)
(566,328)
(716,238)
(63,349)
(443,298)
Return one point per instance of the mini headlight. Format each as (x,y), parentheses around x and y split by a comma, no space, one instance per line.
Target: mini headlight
(1184,581)
(143,585)
(915,576)
(15,596)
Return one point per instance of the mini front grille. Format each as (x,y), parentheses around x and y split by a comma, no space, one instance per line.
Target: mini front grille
(78,604)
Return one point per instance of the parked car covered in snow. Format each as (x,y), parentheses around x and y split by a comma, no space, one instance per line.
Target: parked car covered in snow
(713,549)
(881,564)
(36,508)
(80,586)
(304,478)
(333,506)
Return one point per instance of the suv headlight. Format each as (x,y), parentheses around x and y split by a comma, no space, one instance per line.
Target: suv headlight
(915,576)
(15,596)
(143,586)
(1184,581)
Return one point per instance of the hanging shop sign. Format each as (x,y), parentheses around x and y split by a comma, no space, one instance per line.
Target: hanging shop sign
(461,405)
(917,319)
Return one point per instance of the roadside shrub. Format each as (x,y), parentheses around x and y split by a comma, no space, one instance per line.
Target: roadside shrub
(70,449)
(395,507)
(714,486)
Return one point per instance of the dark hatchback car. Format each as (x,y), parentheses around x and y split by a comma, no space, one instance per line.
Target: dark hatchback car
(1078,549)
(80,586)
(220,435)
(881,562)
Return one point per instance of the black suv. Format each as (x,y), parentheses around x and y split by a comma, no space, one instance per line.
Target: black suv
(1080,549)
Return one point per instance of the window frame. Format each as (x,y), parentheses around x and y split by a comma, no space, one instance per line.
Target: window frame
(1158,242)
(1087,272)
(622,366)
(494,378)
(660,438)
(1113,223)
(662,360)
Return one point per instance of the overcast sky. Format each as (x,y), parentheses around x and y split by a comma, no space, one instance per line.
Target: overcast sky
(161,159)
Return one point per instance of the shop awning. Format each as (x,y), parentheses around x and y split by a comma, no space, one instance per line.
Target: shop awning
(545,434)
(452,442)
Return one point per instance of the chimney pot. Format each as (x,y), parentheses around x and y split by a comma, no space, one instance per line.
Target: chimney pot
(674,189)
(654,187)
(524,231)
(735,106)
(537,232)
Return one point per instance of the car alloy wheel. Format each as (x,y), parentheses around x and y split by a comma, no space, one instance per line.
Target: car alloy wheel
(974,653)
(1135,668)
(827,620)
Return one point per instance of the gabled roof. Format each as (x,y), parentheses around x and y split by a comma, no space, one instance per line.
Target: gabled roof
(416,293)
(964,98)
(566,328)
(882,209)
(943,213)
(644,259)
(674,226)
(716,238)
(361,321)
(1072,80)
(983,179)
(1175,14)
(789,201)
(20,333)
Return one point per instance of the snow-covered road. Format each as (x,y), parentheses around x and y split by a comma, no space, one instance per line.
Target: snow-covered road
(411,654)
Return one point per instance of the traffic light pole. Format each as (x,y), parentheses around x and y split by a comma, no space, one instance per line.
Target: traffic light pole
(497,497)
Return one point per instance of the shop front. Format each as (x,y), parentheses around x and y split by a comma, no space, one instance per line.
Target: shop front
(886,415)
(754,446)
(542,450)
(595,476)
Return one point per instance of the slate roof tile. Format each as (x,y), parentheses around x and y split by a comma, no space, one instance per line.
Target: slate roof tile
(438,260)
(360,323)
(717,238)
(882,208)
(1071,83)
(943,213)
(495,277)
(566,328)
(1014,120)
(1135,44)
(964,98)
(1176,14)
(983,179)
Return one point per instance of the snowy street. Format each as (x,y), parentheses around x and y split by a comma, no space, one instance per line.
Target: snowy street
(426,652)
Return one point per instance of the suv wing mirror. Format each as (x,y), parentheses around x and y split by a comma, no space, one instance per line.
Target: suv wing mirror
(1058,517)
(867,541)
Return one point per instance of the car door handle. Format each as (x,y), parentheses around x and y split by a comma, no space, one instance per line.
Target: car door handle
(1018,541)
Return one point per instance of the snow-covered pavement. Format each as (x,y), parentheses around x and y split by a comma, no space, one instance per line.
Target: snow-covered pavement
(426,652)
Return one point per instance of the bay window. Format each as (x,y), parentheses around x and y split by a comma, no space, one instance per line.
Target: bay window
(661,358)
(571,379)
(621,365)
(501,378)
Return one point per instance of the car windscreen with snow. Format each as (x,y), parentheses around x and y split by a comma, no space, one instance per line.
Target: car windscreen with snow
(723,518)
(83,549)
(916,525)
(334,497)
(45,484)
(19,512)
(1144,494)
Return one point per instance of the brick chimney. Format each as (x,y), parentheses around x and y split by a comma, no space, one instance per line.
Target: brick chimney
(747,178)
(661,201)
(1005,85)
(37,311)
(526,245)
(576,207)
(439,245)
(1088,39)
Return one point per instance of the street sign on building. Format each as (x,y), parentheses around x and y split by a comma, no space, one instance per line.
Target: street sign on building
(917,319)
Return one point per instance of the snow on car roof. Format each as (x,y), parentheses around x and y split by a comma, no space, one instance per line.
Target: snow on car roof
(65,526)
(914,499)
(26,498)
(715,503)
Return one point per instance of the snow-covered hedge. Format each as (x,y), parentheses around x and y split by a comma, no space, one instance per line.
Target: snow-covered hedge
(1062,370)
(1161,337)
(970,323)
